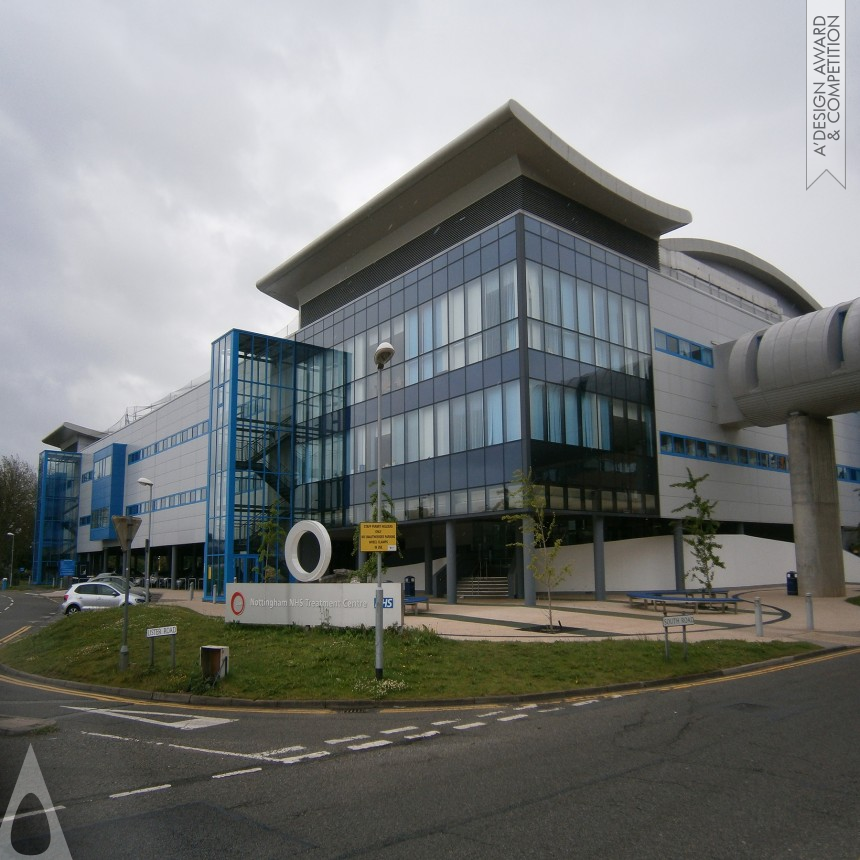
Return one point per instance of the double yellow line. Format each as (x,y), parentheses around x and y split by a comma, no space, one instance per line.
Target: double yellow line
(11,636)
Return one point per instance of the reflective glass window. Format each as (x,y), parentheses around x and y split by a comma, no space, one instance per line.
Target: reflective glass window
(493,415)
(475,419)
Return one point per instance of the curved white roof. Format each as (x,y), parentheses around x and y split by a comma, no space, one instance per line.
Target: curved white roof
(507,144)
(736,258)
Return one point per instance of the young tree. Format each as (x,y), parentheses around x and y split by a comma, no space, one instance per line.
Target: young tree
(537,529)
(367,571)
(272,536)
(701,529)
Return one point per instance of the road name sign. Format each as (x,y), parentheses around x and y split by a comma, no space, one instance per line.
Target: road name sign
(678,620)
(378,537)
(151,632)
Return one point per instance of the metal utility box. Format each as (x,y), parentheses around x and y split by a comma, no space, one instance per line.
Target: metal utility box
(214,660)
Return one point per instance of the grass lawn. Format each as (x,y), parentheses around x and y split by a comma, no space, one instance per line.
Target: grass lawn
(304,664)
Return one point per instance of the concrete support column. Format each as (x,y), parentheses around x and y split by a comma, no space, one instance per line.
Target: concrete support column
(451,560)
(815,506)
(678,546)
(174,565)
(428,560)
(529,585)
(361,559)
(599,560)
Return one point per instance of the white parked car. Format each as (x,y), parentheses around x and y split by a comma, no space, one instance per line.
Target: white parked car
(96,595)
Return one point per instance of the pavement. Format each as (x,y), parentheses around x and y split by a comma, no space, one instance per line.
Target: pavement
(826,621)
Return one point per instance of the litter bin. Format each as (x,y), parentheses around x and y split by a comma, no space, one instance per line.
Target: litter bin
(409,586)
(4,584)
(791,582)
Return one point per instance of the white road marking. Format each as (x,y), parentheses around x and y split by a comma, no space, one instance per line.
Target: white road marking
(548,710)
(306,757)
(490,714)
(421,737)
(369,745)
(347,740)
(525,708)
(7,818)
(587,702)
(236,773)
(398,730)
(148,790)
(513,717)
(444,722)
(469,726)
(270,753)
(111,737)
(175,721)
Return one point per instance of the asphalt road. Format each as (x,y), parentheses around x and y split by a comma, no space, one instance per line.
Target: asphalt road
(765,766)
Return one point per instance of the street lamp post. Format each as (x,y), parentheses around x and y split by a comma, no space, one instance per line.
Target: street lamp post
(11,559)
(384,353)
(145,482)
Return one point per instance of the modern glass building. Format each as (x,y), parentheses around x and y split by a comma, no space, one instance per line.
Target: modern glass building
(541,322)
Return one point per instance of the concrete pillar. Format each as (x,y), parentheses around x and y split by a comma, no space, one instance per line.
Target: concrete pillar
(599,560)
(815,506)
(529,585)
(451,560)
(428,560)
(174,565)
(678,546)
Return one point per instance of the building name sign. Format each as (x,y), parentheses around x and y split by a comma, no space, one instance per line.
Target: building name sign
(348,604)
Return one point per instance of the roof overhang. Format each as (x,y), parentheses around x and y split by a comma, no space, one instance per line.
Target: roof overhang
(72,437)
(508,144)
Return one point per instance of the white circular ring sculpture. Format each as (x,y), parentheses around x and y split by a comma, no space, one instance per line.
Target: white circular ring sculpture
(291,550)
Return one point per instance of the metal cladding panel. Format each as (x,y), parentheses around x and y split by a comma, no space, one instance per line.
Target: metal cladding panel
(809,364)
(851,336)
(800,350)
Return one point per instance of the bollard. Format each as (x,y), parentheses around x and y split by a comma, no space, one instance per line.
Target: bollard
(810,621)
(759,628)
(191,590)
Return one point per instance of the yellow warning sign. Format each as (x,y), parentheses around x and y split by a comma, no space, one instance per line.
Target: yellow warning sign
(378,537)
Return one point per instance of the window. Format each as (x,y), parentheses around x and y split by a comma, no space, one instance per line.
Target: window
(688,349)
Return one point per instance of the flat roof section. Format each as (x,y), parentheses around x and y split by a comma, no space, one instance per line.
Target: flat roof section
(505,145)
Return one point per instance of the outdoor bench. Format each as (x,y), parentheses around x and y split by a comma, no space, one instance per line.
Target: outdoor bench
(415,601)
(661,599)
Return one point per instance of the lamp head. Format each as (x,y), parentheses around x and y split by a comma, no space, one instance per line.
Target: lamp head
(144,482)
(384,353)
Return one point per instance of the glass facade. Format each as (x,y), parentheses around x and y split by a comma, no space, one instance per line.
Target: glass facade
(266,401)
(56,535)
(524,346)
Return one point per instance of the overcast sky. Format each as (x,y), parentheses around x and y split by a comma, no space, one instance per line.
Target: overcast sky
(157,158)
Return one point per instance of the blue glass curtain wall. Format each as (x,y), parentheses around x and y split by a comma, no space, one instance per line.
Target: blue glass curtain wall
(56,535)
(266,403)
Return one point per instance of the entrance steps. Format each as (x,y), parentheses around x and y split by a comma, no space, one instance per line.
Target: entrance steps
(482,586)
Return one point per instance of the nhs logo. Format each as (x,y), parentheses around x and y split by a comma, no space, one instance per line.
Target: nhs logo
(387,603)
